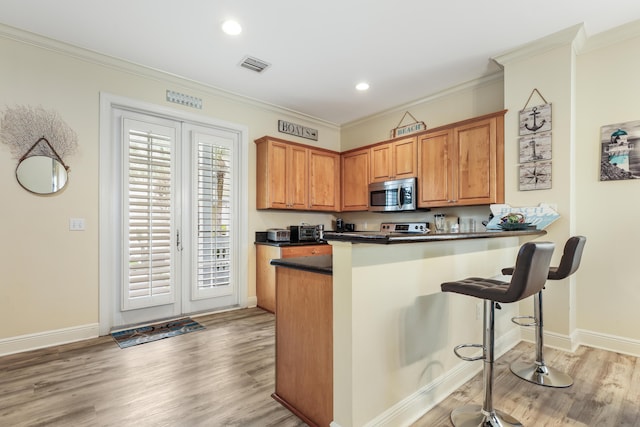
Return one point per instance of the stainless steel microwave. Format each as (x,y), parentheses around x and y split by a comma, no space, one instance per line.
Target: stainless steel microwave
(393,196)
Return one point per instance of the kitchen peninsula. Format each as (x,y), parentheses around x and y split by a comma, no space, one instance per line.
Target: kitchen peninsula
(369,329)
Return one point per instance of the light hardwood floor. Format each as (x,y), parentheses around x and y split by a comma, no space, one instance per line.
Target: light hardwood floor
(224,376)
(605,393)
(220,376)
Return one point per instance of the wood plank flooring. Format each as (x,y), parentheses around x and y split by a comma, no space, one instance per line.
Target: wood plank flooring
(220,376)
(605,393)
(224,376)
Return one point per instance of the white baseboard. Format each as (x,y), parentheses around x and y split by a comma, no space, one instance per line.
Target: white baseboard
(608,342)
(47,339)
(408,410)
(588,338)
(551,339)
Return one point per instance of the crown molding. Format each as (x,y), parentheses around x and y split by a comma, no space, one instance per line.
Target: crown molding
(471,84)
(613,36)
(574,36)
(122,65)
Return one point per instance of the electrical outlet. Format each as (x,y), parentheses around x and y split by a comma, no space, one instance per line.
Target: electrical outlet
(479,310)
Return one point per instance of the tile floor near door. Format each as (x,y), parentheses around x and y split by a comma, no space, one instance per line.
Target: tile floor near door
(224,376)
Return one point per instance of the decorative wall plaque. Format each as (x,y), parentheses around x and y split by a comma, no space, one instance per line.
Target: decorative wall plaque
(297,130)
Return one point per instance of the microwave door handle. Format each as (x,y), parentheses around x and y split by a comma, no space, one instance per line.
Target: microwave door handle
(400,197)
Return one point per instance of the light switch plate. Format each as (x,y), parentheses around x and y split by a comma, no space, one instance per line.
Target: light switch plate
(76,224)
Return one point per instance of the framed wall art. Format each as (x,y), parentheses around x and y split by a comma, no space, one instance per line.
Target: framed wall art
(619,151)
(535,147)
(535,176)
(535,119)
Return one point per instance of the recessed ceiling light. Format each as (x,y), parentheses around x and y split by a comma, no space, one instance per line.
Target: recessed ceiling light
(231,27)
(362,86)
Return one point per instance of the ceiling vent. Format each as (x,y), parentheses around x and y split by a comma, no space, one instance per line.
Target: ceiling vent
(254,64)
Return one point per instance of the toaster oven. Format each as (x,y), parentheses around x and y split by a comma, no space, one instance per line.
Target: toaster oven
(278,235)
(303,233)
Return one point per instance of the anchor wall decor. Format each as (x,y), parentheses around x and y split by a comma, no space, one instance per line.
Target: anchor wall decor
(535,145)
(535,119)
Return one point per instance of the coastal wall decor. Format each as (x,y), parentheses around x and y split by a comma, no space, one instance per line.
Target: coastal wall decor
(297,130)
(409,128)
(534,151)
(535,176)
(39,139)
(535,147)
(619,155)
(22,129)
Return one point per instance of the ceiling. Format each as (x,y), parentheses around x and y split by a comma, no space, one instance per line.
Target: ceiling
(318,51)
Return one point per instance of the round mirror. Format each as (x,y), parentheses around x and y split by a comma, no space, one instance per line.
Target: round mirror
(41,174)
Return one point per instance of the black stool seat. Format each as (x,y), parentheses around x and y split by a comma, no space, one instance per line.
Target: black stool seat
(528,278)
(538,372)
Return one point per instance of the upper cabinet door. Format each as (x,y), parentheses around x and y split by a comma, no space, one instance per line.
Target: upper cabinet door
(324,180)
(394,160)
(297,173)
(355,180)
(281,175)
(435,176)
(462,164)
(479,159)
(404,160)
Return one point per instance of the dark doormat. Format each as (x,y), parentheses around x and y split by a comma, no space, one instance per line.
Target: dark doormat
(158,331)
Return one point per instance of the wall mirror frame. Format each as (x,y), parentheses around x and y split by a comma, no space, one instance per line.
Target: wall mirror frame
(42,174)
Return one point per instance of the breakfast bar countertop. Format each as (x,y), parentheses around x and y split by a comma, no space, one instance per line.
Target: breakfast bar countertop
(378,237)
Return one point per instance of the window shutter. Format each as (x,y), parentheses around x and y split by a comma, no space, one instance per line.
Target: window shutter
(148,225)
(214,217)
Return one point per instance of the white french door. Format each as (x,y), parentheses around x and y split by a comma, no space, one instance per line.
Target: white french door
(177,206)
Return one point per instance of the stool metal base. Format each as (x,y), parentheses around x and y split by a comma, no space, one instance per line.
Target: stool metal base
(474,416)
(541,374)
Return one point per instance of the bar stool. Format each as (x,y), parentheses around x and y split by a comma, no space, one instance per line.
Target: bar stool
(538,372)
(528,278)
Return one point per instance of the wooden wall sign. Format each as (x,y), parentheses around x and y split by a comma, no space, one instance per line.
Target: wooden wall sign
(408,129)
(297,130)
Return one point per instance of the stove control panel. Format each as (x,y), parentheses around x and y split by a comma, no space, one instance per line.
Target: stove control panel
(404,227)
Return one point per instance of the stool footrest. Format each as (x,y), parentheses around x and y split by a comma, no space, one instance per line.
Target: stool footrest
(517,319)
(466,358)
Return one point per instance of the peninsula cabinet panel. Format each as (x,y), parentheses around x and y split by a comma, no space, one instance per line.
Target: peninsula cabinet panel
(462,165)
(324,180)
(394,160)
(266,273)
(355,180)
(304,345)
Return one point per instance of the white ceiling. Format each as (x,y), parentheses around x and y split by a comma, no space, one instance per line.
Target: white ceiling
(406,49)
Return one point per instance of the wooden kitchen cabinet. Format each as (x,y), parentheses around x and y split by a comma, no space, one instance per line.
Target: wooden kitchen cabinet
(324,180)
(296,176)
(304,345)
(355,180)
(266,273)
(462,164)
(282,175)
(394,160)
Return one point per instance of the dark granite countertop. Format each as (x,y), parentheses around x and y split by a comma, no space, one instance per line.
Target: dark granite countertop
(377,237)
(322,264)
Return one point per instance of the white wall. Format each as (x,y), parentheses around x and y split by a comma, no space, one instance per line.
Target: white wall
(49,274)
(608,287)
